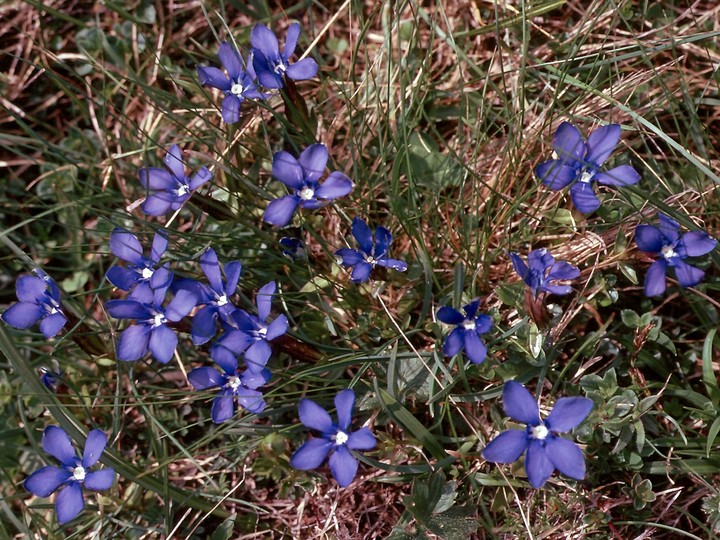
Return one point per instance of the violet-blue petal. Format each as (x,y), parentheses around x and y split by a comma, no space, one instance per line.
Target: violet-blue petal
(313,160)
(126,246)
(223,406)
(314,416)
(204,325)
(181,305)
(291,40)
(212,76)
(474,347)
(264,300)
(519,404)
(303,69)
(336,185)
(383,239)
(648,238)
(537,465)
(687,275)
(363,235)
(254,380)
(174,162)
(263,39)
(540,260)
(257,355)
(698,243)
(584,197)
(211,268)
(362,439)
(454,342)
(233,269)
(158,203)
(225,358)
(483,324)
(563,270)
(568,413)
(30,289)
(472,308)
(163,343)
(624,175)
(349,257)
(265,73)
(602,142)
(202,176)
(655,278)
(94,447)
(344,402)
(156,178)
(230,59)
(566,457)
(127,309)
(235,340)
(557,289)
(250,400)
(100,480)
(205,377)
(123,278)
(22,315)
(311,454)
(52,324)
(361,272)
(520,267)
(568,143)
(506,447)
(450,315)
(554,174)
(230,109)
(395,264)
(57,443)
(343,466)
(45,481)
(669,228)
(133,342)
(69,502)
(277,328)
(280,211)
(159,245)
(288,170)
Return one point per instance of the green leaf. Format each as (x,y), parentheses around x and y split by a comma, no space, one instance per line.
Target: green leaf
(630,318)
(712,435)
(225,530)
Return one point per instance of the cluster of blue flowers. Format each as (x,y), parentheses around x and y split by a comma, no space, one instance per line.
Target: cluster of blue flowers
(157,299)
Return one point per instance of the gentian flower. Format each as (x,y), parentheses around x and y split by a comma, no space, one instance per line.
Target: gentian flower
(252,334)
(39,300)
(238,84)
(293,248)
(466,335)
(370,253)
(577,163)
(545,450)
(337,439)
(302,176)
(204,323)
(542,270)
(233,385)
(665,241)
(73,472)
(170,188)
(135,277)
(50,378)
(271,65)
(150,332)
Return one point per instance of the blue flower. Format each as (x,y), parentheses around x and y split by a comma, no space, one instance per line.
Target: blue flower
(233,385)
(545,450)
(578,163)
(371,252)
(252,335)
(170,188)
(271,65)
(135,277)
(238,84)
(302,177)
(217,304)
(466,335)
(665,241)
(337,439)
(39,300)
(151,331)
(542,271)
(50,378)
(73,473)
(293,248)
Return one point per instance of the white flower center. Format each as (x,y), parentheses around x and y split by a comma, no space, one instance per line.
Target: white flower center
(234,382)
(262,332)
(369,259)
(341,437)
(539,432)
(222,300)
(237,89)
(147,273)
(159,320)
(182,190)
(306,193)
(586,177)
(468,325)
(79,473)
(280,68)
(554,155)
(668,252)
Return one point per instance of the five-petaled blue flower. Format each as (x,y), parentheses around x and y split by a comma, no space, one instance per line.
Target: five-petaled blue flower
(466,335)
(252,334)
(336,438)
(665,240)
(73,473)
(135,277)
(370,253)
(217,301)
(170,188)
(542,270)
(150,332)
(578,163)
(302,175)
(545,450)
(233,384)
(39,300)
(238,84)
(271,65)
